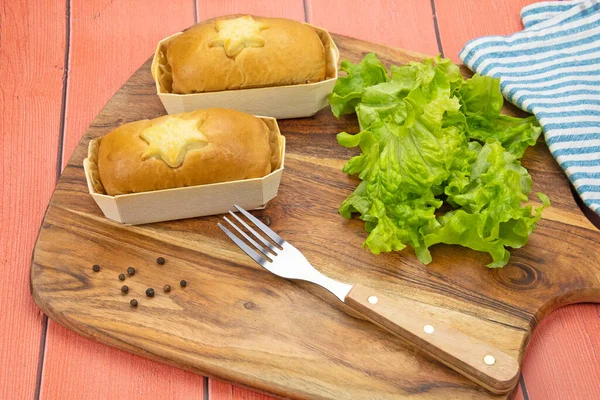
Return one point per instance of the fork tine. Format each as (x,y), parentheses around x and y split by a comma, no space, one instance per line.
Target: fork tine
(244,247)
(254,233)
(265,229)
(248,238)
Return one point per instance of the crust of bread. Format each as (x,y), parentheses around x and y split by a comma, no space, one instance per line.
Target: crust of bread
(293,53)
(239,146)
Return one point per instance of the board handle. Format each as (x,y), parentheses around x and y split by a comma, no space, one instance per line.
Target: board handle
(485,365)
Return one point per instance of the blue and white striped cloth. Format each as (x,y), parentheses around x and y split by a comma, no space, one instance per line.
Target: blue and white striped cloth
(552,69)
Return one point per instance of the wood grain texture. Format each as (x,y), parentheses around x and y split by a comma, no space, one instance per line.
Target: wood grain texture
(90,370)
(108,40)
(406,24)
(291,9)
(461,21)
(235,322)
(563,359)
(459,350)
(220,390)
(31,67)
(519,393)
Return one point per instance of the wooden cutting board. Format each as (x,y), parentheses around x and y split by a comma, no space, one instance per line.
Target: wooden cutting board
(237,322)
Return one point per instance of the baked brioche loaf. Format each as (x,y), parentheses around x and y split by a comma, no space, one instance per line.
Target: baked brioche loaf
(241,52)
(187,149)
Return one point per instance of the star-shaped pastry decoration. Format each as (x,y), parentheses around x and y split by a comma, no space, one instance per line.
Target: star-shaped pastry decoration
(171,139)
(237,34)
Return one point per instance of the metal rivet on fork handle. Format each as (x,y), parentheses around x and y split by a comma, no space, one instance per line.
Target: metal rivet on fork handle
(489,359)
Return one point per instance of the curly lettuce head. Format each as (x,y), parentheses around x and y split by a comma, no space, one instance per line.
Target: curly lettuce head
(429,136)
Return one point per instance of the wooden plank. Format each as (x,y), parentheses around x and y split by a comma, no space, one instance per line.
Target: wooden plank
(563,358)
(220,390)
(519,394)
(32,51)
(461,21)
(109,41)
(292,9)
(404,24)
(79,368)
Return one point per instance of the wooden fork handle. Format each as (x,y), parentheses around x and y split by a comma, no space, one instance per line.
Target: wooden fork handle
(476,360)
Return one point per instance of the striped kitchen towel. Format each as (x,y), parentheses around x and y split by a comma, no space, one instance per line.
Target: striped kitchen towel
(552,69)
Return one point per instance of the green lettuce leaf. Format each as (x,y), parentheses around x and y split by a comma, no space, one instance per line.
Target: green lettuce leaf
(428,137)
(515,134)
(491,215)
(348,89)
(481,103)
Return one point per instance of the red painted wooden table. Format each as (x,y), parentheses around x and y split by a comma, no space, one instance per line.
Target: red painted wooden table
(61,61)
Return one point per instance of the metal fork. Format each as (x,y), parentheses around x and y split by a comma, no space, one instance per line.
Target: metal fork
(416,322)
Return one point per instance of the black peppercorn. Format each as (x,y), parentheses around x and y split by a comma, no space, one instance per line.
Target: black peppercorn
(160,261)
(133,303)
(130,271)
(167,288)
(96,268)
(121,277)
(183,283)
(124,289)
(150,292)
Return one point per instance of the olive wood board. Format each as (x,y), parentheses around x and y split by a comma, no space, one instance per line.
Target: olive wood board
(237,322)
